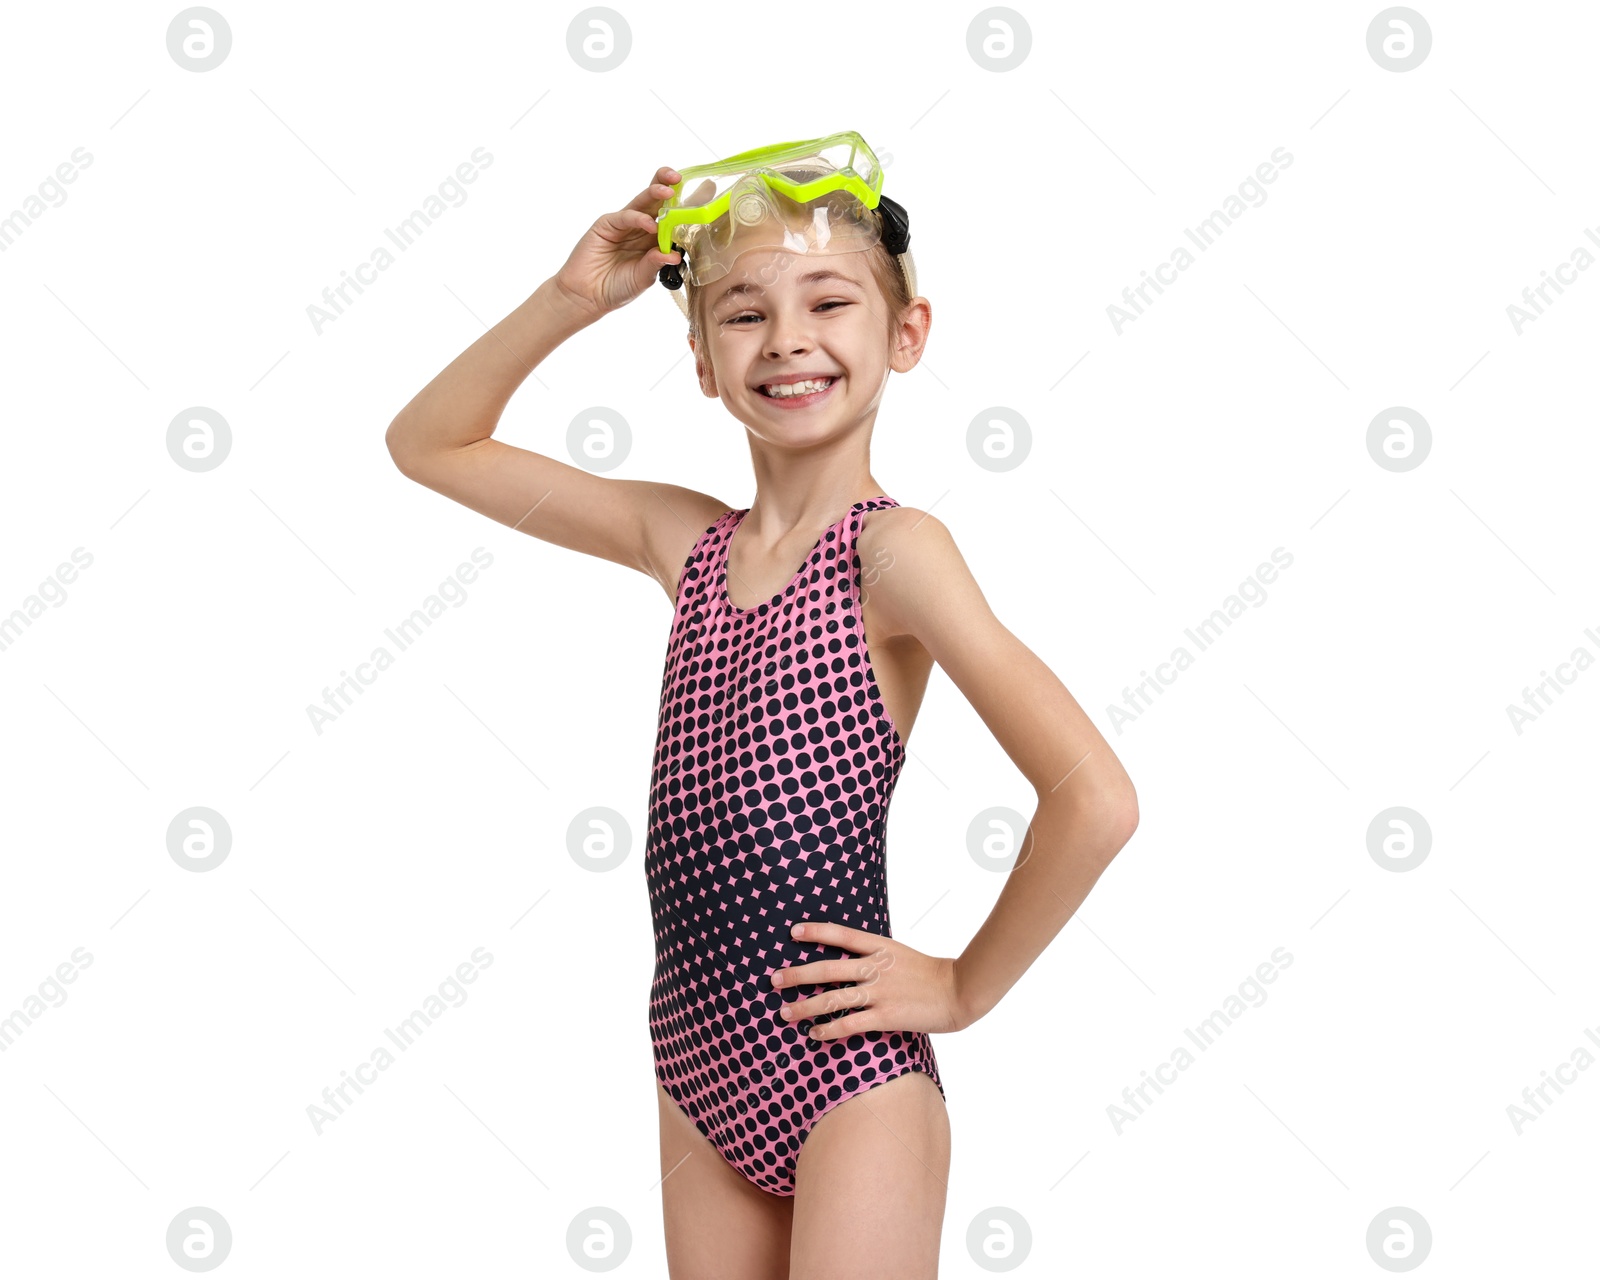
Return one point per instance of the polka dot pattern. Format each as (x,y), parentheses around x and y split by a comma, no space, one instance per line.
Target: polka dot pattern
(769,795)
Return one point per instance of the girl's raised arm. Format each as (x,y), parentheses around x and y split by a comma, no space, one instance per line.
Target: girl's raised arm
(444,438)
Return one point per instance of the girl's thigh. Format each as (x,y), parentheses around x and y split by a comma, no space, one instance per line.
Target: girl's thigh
(719,1224)
(870,1186)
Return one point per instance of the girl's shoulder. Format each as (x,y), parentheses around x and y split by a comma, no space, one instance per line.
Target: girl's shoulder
(908,557)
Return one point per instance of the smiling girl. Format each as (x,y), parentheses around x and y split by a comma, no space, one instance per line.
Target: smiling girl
(802,1113)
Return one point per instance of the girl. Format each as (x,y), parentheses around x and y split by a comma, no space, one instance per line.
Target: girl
(803,1123)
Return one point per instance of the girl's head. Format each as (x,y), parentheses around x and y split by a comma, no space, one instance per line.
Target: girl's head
(778,315)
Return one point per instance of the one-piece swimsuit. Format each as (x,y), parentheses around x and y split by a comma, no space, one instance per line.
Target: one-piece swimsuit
(774,764)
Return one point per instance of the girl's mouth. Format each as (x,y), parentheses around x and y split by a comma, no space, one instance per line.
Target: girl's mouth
(799,401)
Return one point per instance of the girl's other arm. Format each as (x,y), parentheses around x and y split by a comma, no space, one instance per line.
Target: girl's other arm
(1087,806)
(444,438)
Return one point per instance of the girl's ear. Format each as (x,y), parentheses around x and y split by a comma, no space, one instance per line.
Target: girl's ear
(703,371)
(911,335)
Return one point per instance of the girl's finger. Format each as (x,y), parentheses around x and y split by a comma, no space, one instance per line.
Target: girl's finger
(842,1028)
(816,1006)
(818,973)
(637,220)
(631,222)
(836,935)
(651,197)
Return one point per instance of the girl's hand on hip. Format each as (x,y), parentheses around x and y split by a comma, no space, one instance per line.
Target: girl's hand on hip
(898,988)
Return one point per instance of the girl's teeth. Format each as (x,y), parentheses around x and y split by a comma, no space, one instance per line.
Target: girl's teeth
(799,388)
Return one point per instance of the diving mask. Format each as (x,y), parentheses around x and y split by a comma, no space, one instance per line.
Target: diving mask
(816,197)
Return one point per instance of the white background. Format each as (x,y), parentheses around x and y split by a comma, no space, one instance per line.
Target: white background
(369,860)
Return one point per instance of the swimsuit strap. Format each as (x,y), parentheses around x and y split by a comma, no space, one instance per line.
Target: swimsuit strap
(848,530)
(853,518)
(700,570)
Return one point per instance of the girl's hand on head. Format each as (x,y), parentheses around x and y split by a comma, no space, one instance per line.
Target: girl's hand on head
(897,988)
(618,257)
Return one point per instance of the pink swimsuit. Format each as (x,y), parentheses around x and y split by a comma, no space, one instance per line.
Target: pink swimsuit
(769,793)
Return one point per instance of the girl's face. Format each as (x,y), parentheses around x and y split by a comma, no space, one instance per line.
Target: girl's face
(781,318)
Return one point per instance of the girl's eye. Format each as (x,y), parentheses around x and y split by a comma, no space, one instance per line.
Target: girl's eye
(747,315)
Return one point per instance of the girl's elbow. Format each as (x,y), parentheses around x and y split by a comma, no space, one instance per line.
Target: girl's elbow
(1130,812)
(1120,818)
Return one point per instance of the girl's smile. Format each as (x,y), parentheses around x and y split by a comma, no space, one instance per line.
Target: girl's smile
(798,401)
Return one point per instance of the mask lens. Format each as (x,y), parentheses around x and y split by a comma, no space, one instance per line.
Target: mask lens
(759,217)
(789,198)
